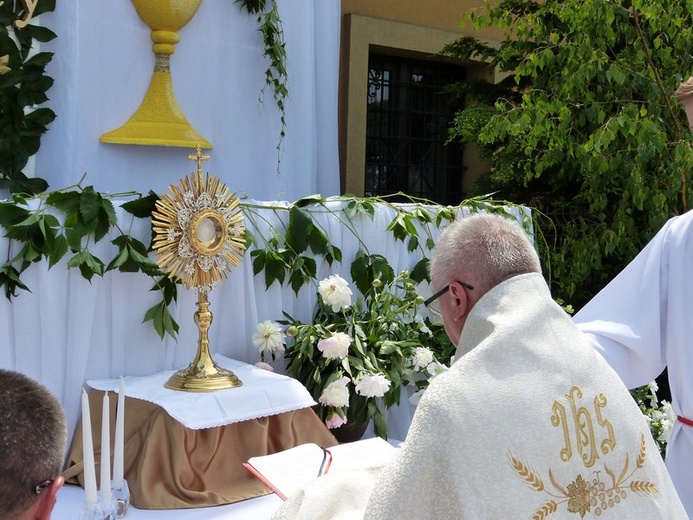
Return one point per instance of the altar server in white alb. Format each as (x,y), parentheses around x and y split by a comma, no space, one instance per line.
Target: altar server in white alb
(642,322)
(530,421)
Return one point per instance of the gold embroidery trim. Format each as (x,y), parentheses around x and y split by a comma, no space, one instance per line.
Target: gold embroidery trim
(582,496)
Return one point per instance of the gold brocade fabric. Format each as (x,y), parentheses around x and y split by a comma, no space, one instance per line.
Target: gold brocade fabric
(169,466)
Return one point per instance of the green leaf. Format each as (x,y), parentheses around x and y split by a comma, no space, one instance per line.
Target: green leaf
(9,277)
(306,201)
(57,251)
(11,214)
(155,314)
(143,206)
(300,226)
(89,204)
(259,257)
(66,201)
(275,269)
(420,271)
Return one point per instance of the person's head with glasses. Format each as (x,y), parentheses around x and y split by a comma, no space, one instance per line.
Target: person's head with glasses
(33,438)
(473,255)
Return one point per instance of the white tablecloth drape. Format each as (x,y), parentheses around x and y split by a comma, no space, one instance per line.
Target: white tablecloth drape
(261,394)
(102,66)
(68,330)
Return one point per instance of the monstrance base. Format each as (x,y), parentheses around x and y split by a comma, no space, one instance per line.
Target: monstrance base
(191,380)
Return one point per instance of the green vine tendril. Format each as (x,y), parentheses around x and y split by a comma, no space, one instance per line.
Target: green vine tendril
(276,76)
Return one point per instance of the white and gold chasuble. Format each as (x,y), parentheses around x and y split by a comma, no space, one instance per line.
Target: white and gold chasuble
(529,423)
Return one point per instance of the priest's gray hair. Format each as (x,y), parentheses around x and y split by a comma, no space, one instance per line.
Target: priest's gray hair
(33,438)
(483,249)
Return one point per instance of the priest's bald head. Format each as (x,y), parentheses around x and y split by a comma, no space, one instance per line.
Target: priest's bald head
(473,255)
(33,437)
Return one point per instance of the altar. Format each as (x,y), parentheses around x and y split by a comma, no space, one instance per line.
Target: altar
(68,332)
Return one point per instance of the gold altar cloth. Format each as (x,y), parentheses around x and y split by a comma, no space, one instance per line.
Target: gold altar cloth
(169,466)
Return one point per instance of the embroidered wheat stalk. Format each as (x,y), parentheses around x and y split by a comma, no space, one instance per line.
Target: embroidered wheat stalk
(640,462)
(644,487)
(549,508)
(526,473)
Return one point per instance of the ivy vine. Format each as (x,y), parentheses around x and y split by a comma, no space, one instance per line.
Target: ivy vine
(23,87)
(276,76)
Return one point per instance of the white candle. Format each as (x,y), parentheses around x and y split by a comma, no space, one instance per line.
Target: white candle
(105,454)
(118,449)
(88,453)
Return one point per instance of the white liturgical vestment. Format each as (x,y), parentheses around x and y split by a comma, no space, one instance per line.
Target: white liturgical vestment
(529,422)
(642,322)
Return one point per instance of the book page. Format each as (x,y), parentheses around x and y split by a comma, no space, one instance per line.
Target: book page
(287,471)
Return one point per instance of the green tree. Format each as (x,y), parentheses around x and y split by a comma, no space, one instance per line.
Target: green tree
(585,127)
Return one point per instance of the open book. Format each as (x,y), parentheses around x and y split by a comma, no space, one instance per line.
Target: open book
(287,471)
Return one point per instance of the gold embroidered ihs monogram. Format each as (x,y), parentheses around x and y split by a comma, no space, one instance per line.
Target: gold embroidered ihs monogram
(582,495)
(583,428)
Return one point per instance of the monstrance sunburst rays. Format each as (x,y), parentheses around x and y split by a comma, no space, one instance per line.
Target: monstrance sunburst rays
(198,232)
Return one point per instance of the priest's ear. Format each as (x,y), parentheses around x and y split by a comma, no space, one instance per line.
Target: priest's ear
(461,303)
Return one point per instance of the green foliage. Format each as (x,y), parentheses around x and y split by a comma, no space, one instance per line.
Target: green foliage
(276,76)
(585,127)
(49,226)
(22,89)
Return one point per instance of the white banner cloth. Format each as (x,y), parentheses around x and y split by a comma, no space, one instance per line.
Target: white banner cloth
(263,393)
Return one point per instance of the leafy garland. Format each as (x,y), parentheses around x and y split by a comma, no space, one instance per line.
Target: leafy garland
(47,227)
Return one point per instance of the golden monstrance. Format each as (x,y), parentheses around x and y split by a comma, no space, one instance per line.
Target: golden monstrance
(198,232)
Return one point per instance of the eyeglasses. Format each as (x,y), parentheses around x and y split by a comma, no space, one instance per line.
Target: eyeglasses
(43,485)
(432,305)
(326,458)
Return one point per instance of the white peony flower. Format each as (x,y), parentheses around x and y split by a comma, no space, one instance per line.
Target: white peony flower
(435,368)
(336,346)
(334,291)
(373,385)
(336,393)
(423,356)
(269,338)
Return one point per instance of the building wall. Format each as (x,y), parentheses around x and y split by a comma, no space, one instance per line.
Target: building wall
(417,29)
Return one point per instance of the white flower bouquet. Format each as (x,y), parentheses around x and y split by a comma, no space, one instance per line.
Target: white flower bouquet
(356,355)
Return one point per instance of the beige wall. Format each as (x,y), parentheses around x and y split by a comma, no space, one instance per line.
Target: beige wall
(418,29)
(435,14)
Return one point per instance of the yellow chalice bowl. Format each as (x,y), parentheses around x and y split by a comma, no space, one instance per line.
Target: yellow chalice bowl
(159,120)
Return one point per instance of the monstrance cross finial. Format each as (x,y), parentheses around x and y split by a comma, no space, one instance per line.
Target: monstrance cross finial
(198,158)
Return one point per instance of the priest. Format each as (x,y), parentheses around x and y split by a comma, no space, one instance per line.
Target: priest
(529,421)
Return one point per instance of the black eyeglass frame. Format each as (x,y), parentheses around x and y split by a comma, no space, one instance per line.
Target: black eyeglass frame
(445,289)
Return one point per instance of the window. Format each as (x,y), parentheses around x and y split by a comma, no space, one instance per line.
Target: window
(408,116)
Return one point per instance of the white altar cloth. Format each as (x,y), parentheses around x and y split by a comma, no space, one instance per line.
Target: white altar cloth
(262,393)
(71,498)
